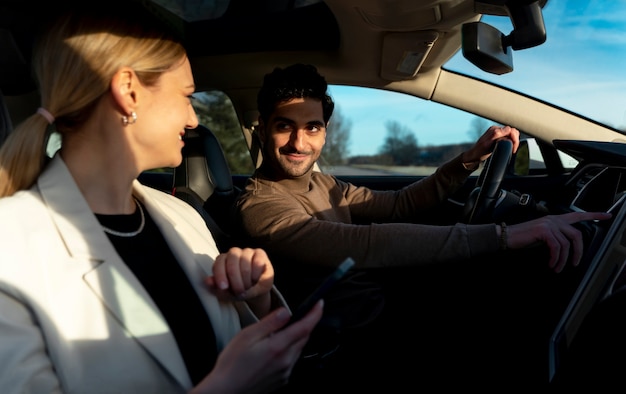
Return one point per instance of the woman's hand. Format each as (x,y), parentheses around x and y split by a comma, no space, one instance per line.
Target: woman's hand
(262,355)
(243,274)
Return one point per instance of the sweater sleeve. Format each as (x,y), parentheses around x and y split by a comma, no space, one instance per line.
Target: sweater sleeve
(407,204)
(278,221)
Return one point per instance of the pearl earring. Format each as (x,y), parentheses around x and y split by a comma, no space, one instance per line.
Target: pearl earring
(126,121)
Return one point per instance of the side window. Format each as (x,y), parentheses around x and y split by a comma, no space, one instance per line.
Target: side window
(568,161)
(371,132)
(378,132)
(536,160)
(215,111)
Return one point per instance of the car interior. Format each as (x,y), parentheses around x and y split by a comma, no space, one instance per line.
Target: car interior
(204,180)
(508,322)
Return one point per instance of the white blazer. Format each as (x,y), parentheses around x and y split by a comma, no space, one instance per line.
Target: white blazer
(73,317)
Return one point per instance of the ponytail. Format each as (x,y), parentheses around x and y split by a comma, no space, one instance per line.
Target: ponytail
(22,156)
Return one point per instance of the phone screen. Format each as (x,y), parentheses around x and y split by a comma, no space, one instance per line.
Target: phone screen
(319,292)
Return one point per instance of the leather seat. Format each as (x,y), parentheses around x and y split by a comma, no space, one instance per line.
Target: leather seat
(5,120)
(204,180)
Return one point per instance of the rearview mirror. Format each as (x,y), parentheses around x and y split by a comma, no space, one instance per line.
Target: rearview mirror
(490,50)
(483,46)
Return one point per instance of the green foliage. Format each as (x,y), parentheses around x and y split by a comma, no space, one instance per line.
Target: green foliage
(216,112)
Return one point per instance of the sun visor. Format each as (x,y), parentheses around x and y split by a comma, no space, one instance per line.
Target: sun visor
(404,53)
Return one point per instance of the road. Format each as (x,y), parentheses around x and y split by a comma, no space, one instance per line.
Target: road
(361,171)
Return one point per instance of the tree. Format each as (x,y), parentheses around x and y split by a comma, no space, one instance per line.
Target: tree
(337,140)
(400,144)
(479,126)
(215,111)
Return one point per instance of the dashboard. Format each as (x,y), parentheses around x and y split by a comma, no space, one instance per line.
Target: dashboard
(597,184)
(599,188)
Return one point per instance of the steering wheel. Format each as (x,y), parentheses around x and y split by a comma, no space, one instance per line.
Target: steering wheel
(482,200)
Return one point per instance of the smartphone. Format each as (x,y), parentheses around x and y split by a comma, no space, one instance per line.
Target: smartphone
(319,292)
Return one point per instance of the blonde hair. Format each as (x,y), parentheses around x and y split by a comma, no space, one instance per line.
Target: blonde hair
(74,63)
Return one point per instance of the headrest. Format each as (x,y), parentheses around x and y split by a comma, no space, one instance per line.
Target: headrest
(204,168)
(5,120)
(15,72)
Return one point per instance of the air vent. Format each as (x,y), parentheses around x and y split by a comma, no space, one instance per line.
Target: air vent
(587,176)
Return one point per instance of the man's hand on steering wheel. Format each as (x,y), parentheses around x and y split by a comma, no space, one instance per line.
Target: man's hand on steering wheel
(498,144)
(484,146)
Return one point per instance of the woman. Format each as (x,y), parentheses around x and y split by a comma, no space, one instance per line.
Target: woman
(107,285)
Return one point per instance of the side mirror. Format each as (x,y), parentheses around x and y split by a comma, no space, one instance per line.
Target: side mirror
(490,50)
(521,161)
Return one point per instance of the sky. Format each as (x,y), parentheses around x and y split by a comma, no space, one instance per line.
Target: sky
(580,67)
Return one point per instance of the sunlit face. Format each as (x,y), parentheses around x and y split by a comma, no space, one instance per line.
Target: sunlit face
(164,115)
(294,136)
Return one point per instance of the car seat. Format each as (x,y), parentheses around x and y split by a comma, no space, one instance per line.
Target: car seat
(5,120)
(203,179)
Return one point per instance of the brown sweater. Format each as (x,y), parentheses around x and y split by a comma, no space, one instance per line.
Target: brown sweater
(311,219)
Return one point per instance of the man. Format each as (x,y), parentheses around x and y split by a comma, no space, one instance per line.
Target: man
(309,222)
(288,208)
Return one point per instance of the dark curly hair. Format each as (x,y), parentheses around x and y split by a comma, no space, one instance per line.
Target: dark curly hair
(295,81)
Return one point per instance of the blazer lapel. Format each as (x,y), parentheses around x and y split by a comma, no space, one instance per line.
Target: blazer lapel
(138,315)
(111,280)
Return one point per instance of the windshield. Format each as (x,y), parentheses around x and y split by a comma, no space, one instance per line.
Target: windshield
(581,65)
(579,68)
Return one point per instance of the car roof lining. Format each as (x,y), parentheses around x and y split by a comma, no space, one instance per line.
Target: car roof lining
(235,33)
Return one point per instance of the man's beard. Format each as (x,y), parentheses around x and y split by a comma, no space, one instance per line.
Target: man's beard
(295,170)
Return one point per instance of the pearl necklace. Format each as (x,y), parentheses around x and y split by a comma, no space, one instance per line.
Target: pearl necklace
(132,233)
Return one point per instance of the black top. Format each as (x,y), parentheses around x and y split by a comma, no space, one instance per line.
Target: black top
(151,260)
